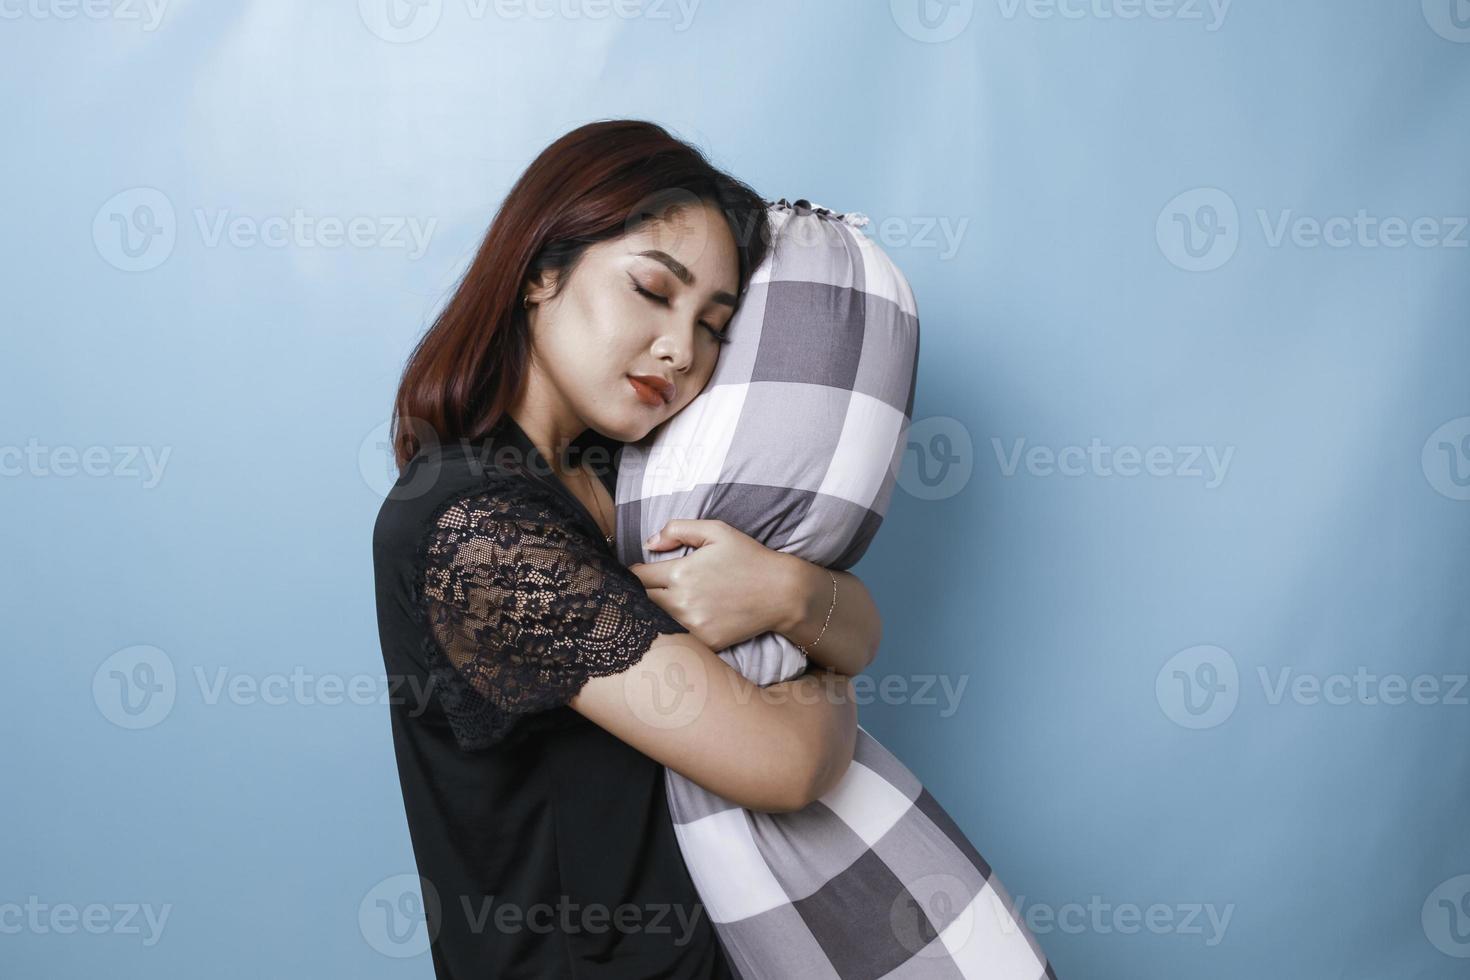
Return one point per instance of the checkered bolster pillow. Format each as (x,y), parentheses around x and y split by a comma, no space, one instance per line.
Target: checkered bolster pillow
(796,441)
(798,437)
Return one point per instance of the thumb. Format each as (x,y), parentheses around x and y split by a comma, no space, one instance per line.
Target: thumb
(695,533)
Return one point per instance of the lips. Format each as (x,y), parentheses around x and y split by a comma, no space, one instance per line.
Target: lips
(652,390)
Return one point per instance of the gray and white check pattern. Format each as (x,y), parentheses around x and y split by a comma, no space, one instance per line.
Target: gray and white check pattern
(796,441)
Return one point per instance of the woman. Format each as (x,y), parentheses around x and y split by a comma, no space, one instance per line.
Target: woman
(538,691)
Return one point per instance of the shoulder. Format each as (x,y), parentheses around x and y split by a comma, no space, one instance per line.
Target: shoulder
(520,605)
(460,488)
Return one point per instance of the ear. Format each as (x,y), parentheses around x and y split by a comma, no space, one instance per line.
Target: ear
(539,286)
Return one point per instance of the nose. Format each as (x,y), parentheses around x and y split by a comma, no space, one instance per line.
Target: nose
(675,348)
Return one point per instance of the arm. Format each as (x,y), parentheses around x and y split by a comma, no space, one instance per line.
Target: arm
(527,615)
(732,587)
(775,749)
(855,629)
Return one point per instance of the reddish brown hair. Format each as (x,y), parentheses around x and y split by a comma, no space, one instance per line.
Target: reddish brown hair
(597,182)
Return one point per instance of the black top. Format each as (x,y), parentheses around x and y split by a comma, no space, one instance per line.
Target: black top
(544,844)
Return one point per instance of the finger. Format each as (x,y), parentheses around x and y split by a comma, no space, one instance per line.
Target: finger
(695,533)
(653,575)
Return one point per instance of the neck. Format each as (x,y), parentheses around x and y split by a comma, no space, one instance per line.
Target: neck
(547,421)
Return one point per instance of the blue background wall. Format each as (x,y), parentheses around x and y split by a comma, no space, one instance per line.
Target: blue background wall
(1212,722)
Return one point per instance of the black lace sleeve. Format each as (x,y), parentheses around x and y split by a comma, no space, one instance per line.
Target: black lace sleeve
(521,606)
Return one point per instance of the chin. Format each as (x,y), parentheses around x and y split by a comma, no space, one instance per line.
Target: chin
(623,429)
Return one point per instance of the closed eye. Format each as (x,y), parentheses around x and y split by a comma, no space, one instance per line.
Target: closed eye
(664,301)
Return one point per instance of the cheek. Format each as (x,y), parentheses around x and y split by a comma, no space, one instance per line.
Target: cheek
(613,326)
(592,332)
(572,354)
(704,368)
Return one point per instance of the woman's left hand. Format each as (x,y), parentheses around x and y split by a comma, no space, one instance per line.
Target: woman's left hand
(730,588)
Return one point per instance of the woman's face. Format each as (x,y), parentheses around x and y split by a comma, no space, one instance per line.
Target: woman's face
(649,304)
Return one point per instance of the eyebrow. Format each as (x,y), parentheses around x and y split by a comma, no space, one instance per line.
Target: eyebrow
(685,276)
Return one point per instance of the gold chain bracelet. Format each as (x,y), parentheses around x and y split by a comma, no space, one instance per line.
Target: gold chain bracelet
(833,606)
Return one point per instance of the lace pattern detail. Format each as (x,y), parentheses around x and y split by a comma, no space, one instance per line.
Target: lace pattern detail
(521,606)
